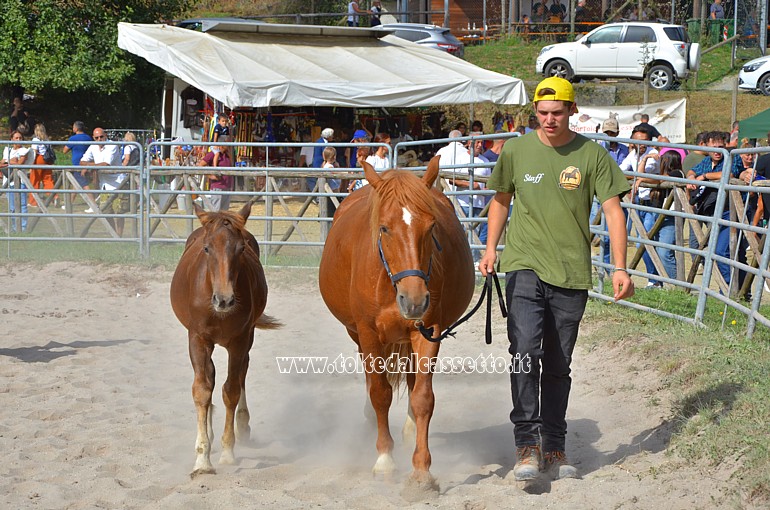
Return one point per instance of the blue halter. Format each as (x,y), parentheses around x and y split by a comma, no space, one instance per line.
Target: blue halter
(395,278)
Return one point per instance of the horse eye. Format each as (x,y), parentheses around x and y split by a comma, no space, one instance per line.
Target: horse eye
(384,229)
(206,249)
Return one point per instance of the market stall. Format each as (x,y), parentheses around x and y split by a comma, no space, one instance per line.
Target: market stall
(233,66)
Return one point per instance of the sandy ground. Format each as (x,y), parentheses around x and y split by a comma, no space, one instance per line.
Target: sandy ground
(97,412)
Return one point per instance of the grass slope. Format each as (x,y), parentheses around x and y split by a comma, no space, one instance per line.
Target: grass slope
(515,57)
(721,387)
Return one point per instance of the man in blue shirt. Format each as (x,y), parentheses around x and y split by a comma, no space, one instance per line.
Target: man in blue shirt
(716,10)
(711,169)
(318,155)
(79,135)
(618,151)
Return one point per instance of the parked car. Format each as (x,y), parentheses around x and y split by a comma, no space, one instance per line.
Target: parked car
(429,35)
(755,75)
(658,52)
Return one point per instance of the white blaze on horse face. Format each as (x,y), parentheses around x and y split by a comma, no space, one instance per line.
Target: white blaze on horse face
(407,216)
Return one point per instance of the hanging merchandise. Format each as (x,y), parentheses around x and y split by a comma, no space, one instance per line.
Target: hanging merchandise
(212,125)
(269,136)
(258,133)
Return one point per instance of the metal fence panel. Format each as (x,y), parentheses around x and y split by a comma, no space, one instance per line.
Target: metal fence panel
(291,221)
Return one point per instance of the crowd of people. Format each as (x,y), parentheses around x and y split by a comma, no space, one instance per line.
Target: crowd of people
(88,152)
(478,156)
(700,165)
(464,157)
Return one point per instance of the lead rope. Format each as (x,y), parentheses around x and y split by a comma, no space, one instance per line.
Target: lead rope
(486,293)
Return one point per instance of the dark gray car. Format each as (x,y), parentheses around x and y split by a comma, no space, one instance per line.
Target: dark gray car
(429,35)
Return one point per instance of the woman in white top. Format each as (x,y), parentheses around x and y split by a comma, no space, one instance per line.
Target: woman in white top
(379,160)
(40,178)
(131,154)
(353,11)
(15,155)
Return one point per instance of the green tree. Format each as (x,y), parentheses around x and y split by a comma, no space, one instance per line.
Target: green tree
(65,52)
(71,45)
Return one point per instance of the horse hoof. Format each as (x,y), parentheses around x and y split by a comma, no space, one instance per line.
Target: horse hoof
(202,471)
(420,486)
(384,468)
(227,458)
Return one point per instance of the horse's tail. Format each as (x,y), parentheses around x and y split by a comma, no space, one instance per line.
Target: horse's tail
(267,322)
(398,364)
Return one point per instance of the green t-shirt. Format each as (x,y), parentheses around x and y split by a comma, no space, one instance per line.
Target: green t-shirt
(553,188)
(691,160)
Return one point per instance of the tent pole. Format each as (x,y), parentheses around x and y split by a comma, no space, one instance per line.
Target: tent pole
(446,13)
(502,17)
(763,23)
(734,116)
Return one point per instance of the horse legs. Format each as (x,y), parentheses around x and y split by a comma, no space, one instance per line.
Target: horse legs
(369,415)
(409,432)
(381,395)
(421,401)
(231,395)
(203,386)
(242,416)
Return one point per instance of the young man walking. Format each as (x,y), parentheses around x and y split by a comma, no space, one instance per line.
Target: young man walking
(554,174)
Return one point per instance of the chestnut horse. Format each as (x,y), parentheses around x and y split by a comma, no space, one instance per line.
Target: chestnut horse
(219,293)
(396,257)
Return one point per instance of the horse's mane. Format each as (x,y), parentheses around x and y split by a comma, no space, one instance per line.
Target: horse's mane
(225,219)
(236,224)
(400,188)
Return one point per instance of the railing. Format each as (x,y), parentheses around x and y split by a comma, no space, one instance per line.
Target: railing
(291,220)
(96,222)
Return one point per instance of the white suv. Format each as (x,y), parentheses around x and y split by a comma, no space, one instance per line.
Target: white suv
(658,52)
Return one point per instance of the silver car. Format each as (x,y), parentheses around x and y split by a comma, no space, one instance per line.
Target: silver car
(429,35)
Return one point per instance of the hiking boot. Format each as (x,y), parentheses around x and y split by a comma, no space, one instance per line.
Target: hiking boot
(557,465)
(528,465)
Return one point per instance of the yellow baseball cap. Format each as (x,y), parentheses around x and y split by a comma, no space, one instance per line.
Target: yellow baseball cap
(562,90)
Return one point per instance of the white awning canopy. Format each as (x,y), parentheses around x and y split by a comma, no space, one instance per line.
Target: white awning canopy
(259,65)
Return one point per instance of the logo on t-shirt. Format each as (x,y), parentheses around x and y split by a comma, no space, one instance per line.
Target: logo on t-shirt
(570,178)
(533,178)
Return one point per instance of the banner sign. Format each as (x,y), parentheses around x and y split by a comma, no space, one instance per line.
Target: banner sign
(668,117)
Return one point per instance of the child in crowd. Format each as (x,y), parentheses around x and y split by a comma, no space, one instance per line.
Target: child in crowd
(330,162)
(221,129)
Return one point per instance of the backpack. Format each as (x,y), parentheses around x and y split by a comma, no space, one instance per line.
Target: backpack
(133,159)
(50,156)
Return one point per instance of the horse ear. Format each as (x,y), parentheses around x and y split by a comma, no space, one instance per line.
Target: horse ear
(246,210)
(200,213)
(432,172)
(371,175)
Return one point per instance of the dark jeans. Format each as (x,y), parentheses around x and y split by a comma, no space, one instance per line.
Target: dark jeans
(543,323)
